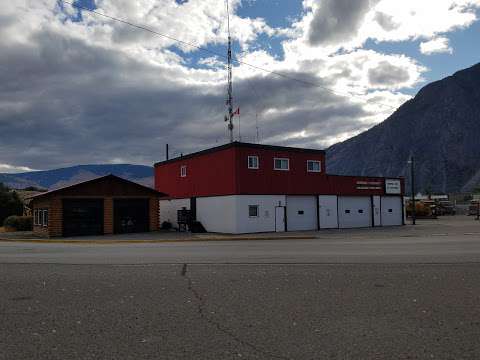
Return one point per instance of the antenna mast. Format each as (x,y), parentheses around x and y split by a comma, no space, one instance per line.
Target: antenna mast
(229,116)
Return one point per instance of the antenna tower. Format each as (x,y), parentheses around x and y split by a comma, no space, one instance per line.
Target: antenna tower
(229,116)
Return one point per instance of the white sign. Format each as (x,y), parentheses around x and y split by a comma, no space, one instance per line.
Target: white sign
(393,186)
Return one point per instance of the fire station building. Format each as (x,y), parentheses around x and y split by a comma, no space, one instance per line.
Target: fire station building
(245,188)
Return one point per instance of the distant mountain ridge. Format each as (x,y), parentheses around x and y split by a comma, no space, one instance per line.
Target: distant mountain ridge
(440,127)
(53,179)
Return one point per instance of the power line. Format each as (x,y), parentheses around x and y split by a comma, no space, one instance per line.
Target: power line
(204,49)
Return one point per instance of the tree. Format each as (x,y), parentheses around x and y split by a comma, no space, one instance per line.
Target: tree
(10,203)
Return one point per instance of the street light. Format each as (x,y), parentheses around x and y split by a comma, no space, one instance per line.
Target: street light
(412,183)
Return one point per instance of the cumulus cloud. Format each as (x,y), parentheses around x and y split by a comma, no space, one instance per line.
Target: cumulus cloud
(95,91)
(337,20)
(436,46)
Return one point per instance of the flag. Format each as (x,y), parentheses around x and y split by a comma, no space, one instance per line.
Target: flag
(237,112)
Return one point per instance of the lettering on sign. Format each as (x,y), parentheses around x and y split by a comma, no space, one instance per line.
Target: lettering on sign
(393,186)
(369,185)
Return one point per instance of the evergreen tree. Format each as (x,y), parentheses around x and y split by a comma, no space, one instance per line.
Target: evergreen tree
(10,203)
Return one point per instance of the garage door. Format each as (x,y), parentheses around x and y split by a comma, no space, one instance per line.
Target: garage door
(301,213)
(130,215)
(392,211)
(82,217)
(354,211)
(327,211)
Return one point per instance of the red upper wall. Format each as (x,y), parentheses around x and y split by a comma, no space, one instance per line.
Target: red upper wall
(266,180)
(224,171)
(211,173)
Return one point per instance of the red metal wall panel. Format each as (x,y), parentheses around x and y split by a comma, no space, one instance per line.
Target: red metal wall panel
(225,172)
(207,174)
(266,180)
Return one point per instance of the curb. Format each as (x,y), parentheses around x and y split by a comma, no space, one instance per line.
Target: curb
(154,241)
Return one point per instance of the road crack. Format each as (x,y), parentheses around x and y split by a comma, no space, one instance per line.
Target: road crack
(201,306)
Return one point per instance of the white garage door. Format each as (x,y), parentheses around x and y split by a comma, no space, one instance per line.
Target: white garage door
(354,211)
(327,211)
(392,210)
(301,213)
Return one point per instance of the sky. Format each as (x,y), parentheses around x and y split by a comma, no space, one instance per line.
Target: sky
(79,88)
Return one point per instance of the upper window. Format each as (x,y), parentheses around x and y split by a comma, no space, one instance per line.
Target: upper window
(253,162)
(281,164)
(183,170)
(253,210)
(314,166)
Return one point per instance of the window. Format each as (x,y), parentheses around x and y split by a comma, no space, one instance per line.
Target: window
(281,164)
(314,166)
(183,171)
(253,162)
(45,218)
(360,211)
(35,217)
(252,210)
(347,211)
(301,212)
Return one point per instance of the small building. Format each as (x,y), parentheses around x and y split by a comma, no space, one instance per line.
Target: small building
(245,188)
(104,205)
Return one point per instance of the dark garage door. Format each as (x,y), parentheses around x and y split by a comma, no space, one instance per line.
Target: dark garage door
(82,217)
(131,215)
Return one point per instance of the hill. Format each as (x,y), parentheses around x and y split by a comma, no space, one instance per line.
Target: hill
(440,127)
(52,179)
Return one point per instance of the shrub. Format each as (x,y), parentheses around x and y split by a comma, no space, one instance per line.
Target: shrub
(10,203)
(19,223)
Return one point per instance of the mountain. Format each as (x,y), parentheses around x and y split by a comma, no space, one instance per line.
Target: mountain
(53,179)
(440,127)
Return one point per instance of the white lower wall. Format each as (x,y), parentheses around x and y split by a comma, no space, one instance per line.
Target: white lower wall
(168,210)
(265,222)
(217,214)
(229,214)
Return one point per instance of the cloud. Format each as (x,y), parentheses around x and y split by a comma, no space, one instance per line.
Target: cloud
(6,168)
(386,21)
(94,91)
(337,21)
(386,74)
(436,46)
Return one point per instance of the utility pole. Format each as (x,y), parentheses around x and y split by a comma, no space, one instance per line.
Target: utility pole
(229,116)
(412,180)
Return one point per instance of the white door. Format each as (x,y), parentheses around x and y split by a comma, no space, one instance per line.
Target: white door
(280,218)
(392,210)
(301,213)
(327,211)
(377,208)
(354,211)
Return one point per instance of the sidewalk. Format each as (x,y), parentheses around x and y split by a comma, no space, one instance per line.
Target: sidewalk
(444,226)
(153,237)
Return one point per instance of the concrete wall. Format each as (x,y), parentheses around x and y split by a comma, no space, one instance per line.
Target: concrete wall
(168,210)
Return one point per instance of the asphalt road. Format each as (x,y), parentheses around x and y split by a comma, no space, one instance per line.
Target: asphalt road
(395,295)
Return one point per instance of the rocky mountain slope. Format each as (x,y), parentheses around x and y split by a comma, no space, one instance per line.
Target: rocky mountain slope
(440,127)
(52,179)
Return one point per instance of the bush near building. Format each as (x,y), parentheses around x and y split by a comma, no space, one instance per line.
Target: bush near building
(10,203)
(18,223)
